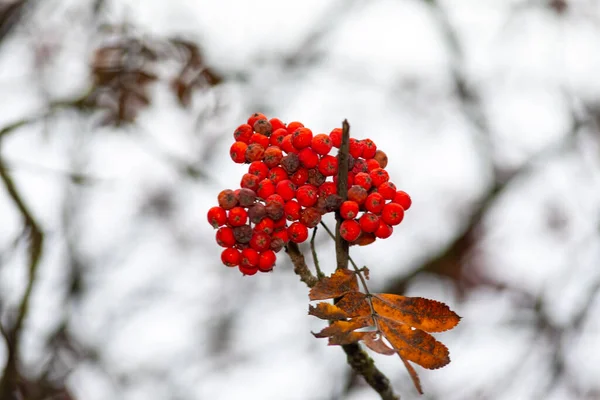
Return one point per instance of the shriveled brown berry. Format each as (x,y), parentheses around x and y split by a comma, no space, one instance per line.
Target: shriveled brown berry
(360,165)
(227,199)
(255,152)
(321,206)
(381,158)
(263,127)
(275,210)
(242,234)
(310,217)
(246,197)
(351,161)
(315,177)
(277,244)
(273,156)
(358,194)
(290,163)
(333,202)
(257,212)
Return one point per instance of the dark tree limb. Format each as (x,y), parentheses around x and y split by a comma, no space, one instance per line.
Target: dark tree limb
(12,334)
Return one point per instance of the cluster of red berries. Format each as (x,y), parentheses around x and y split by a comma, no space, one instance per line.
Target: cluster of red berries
(292,178)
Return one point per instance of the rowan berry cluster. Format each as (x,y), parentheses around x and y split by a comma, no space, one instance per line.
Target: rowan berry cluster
(292,179)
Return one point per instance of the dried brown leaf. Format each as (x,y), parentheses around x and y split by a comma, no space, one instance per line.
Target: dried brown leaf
(327,311)
(341,282)
(414,344)
(425,314)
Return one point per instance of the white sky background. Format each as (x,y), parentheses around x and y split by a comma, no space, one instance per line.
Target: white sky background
(156,291)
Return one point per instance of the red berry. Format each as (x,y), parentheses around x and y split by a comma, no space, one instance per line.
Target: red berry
(292,126)
(369,222)
(259,169)
(230,257)
(266,261)
(249,258)
(265,188)
(238,152)
(279,224)
(321,144)
(266,225)
(387,190)
(349,209)
(327,188)
(277,174)
(247,270)
(227,199)
(307,195)
(282,234)
(375,203)
(363,179)
(369,149)
(250,181)
(243,133)
(286,189)
(302,137)
(350,230)
(277,137)
(403,199)
(287,145)
(358,194)
(308,157)
(260,241)
(336,137)
(379,176)
(392,214)
(328,165)
(356,148)
(300,176)
(237,216)
(217,216)
(273,156)
(255,117)
(275,198)
(297,232)
(372,164)
(292,210)
(276,124)
(384,231)
(255,152)
(260,139)
(225,237)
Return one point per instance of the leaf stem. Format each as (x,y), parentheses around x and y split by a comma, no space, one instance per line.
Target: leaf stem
(313,250)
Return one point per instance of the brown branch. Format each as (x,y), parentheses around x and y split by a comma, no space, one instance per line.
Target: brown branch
(357,358)
(9,381)
(342,249)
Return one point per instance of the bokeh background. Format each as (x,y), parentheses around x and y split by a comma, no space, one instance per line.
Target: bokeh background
(115,122)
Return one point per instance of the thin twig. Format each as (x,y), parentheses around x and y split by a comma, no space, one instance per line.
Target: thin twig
(313,250)
(300,267)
